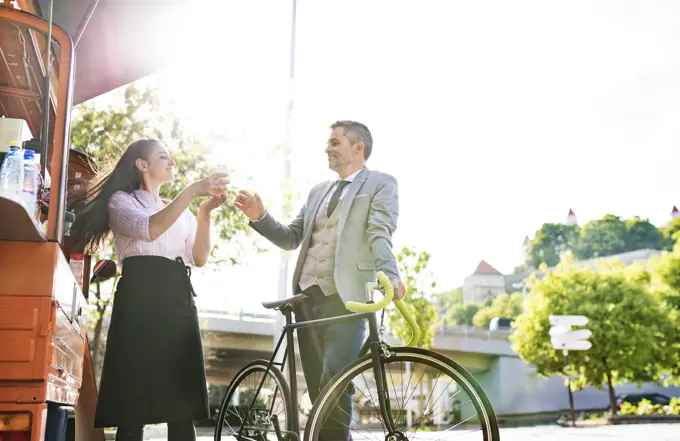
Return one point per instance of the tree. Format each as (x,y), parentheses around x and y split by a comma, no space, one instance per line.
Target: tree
(104,132)
(670,234)
(642,234)
(628,323)
(504,306)
(667,273)
(550,242)
(446,301)
(462,315)
(600,238)
(412,266)
(666,278)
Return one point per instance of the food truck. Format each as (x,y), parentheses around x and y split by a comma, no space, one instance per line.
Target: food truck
(54,54)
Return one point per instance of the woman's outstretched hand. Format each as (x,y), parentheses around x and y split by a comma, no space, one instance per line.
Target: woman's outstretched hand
(210,186)
(215,201)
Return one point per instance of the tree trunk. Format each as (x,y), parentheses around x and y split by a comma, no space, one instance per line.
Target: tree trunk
(610,385)
(101,309)
(98,333)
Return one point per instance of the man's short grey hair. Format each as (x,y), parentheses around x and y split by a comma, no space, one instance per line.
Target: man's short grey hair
(356,132)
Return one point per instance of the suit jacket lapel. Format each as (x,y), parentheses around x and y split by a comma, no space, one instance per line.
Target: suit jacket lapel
(348,199)
(310,216)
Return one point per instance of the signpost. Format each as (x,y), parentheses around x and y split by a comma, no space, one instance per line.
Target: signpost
(562,337)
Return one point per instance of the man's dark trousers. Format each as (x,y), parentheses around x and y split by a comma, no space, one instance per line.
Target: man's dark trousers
(325,350)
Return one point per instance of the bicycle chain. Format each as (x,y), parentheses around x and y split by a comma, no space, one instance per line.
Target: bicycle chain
(383,346)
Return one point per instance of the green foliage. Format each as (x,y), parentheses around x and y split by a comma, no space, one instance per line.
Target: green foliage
(104,133)
(670,234)
(665,280)
(599,238)
(418,283)
(504,306)
(462,315)
(642,234)
(445,301)
(645,407)
(551,241)
(630,326)
(246,396)
(602,237)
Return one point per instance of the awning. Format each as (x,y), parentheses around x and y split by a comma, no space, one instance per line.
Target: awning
(124,41)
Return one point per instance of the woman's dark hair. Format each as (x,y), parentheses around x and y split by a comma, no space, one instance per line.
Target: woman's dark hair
(91,226)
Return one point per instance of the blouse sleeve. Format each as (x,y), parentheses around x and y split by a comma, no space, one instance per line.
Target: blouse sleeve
(127,217)
(190,237)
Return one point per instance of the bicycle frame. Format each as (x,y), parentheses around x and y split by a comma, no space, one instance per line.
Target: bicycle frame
(372,344)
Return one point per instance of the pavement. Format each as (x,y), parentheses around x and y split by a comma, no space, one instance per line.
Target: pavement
(633,432)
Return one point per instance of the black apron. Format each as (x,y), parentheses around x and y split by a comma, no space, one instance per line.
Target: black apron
(153,370)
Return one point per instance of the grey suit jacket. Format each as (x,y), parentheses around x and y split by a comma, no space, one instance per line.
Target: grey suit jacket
(368,218)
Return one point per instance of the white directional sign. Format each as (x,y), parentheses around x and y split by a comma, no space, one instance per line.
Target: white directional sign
(569,320)
(572,345)
(580,334)
(559,329)
(563,337)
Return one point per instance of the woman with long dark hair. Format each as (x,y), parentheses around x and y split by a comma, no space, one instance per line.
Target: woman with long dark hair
(153,366)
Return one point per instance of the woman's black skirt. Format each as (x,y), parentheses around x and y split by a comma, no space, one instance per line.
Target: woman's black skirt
(153,368)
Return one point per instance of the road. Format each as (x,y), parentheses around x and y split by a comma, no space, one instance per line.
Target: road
(633,432)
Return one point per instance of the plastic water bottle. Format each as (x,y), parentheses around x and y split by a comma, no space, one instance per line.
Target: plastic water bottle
(30,187)
(12,173)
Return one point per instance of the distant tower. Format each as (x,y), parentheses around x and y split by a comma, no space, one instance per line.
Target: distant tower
(675,213)
(571,218)
(525,248)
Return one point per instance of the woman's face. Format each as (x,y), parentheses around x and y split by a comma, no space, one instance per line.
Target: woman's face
(158,168)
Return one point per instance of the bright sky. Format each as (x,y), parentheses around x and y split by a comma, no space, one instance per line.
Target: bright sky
(494,116)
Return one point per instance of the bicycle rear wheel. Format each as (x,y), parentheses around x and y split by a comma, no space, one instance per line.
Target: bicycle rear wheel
(431,398)
(257,396)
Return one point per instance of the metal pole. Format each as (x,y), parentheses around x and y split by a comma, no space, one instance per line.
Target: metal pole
(45,133)
(283,265)
(84,22)
(571,395)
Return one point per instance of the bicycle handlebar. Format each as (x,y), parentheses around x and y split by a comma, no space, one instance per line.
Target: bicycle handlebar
(386,287)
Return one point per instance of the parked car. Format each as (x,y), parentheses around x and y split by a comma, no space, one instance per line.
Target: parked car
(635,398)
(500,323)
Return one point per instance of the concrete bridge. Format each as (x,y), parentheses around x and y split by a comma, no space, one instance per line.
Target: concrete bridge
(231,340)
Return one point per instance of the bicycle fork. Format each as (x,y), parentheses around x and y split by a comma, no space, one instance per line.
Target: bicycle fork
(376,347)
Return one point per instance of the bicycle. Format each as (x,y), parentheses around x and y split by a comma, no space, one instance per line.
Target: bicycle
(259,406)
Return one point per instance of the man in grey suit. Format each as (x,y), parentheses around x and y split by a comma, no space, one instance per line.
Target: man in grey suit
(345,229)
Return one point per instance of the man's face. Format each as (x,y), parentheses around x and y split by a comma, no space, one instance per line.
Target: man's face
(341,152)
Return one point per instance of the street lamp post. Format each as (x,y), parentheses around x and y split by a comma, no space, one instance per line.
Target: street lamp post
(524,293)
(283,264)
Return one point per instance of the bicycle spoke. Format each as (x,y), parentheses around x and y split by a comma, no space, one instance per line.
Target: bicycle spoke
(254,397)
(396,397)
(439,405)
(375,406)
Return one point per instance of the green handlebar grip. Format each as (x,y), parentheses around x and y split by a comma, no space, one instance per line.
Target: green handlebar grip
(388,289)
(374,307)
(415,329)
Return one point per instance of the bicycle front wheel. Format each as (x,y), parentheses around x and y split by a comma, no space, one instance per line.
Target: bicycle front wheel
(257,399)
(431,398)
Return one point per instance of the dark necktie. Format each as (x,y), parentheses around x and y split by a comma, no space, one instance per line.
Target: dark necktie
(336,197)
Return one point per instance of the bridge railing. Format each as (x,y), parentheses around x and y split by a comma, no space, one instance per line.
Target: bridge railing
(443,328)
(240,315)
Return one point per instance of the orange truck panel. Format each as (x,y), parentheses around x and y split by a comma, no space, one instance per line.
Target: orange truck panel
(41,358)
